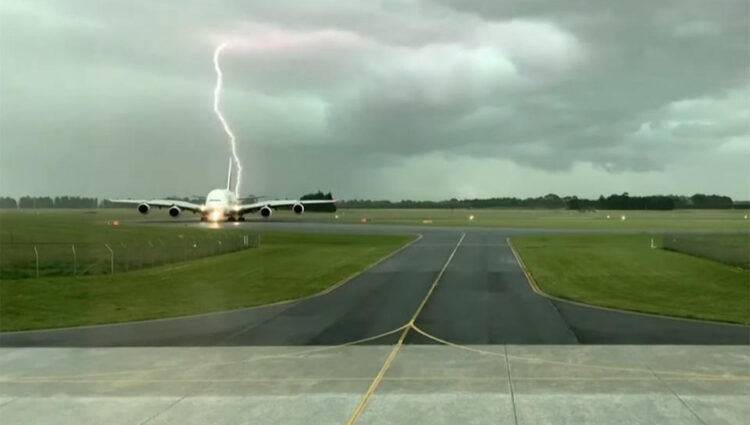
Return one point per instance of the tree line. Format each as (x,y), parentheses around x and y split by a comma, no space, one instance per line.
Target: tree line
(49,202)
(322,207)
(656,202)
(550,201)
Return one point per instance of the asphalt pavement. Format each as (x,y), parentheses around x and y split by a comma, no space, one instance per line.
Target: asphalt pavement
(472,292)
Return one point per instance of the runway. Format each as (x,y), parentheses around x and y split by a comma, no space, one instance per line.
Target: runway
(467,281)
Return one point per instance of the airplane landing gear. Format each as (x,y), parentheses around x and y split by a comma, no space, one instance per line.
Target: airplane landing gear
(241,218)
(230,218)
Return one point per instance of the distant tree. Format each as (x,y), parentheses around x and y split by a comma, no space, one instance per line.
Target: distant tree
(8,203)
(552,201)
(25,202)
(711,201)
(36,202)
(191,199)
(322,207)
(317,195)
(74,202)
(45,202)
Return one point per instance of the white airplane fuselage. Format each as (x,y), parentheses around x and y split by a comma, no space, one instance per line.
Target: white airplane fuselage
(223,204)
(220,204)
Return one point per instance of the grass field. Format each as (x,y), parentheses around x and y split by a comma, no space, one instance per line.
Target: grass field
(612,270)
(88,226)
(678,219)
(25,228)
(284,266)
(622,271)
(56,243)
(732,249)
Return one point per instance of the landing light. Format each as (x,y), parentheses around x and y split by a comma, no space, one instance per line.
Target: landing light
(215,216)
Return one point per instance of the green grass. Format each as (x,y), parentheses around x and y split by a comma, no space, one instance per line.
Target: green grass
(732,248)
(285,266)
(91,226)
(31,225)
(79,243)
(622,271)
(613,270)
(528,218)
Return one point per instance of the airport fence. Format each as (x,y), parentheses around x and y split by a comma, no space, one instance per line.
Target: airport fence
(732,249)
(28,260)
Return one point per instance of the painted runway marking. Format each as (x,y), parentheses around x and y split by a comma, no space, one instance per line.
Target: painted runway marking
(389,360)
(335,286)
(331,288)
(677,374)
(266,357)
(226,363)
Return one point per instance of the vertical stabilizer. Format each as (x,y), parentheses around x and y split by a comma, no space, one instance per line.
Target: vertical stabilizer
(229,175)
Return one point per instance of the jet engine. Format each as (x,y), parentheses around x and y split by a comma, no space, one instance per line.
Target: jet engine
(298,208)
(174,211)
(265,212)
(143,208)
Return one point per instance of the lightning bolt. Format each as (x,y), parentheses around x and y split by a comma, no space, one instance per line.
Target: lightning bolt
(217,110)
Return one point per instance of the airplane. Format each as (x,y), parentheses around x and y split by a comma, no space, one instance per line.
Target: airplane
(223,204)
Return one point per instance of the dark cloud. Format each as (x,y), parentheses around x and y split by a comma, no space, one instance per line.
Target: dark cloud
(394,99)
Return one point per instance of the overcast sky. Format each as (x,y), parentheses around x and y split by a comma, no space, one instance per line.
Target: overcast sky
(370,99)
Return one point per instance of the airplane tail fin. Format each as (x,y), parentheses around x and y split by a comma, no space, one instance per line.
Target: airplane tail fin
(229,175)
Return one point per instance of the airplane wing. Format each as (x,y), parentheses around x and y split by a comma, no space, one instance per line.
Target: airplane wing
(160,203)
(282,204)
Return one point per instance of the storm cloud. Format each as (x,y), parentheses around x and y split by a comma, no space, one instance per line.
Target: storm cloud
(391,99)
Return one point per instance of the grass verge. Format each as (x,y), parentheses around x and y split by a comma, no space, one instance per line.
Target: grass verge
(286,266)
(622,271)
(720,220)
(729,248)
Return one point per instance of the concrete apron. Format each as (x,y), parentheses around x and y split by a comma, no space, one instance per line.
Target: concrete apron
(438,384)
